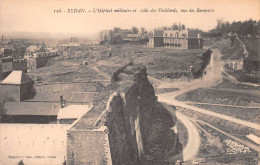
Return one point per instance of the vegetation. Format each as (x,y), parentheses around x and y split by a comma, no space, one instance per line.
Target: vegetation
(247,114)
(116,35)
(218,148)
(249,27)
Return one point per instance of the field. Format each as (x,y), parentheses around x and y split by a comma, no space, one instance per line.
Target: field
(222,96)
(159,61)
(224,125)
(218,148)
(231,85)
(247,114)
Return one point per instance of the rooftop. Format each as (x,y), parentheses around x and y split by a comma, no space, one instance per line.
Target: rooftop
(32,108)
(17,77)
(73,111)
(172,33)
(27,141)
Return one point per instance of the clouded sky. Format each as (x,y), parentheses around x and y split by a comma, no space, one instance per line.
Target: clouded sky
(39,16)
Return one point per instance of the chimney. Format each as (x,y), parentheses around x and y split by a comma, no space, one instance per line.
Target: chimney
(62,102)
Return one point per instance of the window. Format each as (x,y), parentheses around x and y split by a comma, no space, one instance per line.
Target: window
(166,35)
(171,34)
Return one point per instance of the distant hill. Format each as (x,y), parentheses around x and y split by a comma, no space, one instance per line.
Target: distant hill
(48,35)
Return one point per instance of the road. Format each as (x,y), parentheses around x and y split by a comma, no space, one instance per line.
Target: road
(214,76)
(193,143)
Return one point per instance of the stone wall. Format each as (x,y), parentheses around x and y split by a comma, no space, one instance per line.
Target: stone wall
(129,112)
(87,147)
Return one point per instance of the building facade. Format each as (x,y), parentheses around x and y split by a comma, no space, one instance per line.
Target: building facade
(176,39)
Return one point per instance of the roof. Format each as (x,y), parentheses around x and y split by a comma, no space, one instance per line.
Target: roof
(175,33)
(17,77)
(27,141)
(158,33)
(172,33)
(32,108)
(73,111)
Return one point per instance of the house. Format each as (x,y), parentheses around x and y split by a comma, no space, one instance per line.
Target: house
(176,39)
(17,86)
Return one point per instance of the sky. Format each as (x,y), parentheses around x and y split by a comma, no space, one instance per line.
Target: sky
(39,16)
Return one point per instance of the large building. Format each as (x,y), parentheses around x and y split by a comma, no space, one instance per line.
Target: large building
(176,39)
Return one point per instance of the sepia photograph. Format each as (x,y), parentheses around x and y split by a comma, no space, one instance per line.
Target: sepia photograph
(120,82)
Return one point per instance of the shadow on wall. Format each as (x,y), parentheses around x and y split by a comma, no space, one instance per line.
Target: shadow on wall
(31,93)
(163,141)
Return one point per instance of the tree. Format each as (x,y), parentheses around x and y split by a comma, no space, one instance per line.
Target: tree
(117,30)
(134,30)
(143,30)
(110,34)
(174,27)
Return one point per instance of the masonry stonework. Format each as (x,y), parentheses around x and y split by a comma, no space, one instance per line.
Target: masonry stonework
(130,113)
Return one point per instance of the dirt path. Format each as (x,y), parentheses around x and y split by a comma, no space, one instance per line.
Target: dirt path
(193,144)
(214,76)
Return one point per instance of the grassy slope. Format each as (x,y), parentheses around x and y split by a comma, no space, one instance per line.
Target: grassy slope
(253,48)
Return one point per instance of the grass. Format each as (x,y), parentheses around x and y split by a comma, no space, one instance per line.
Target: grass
(247,114)
(226,97)
(182,133)
(165,90)
(252,46)
(228,84)
(213,149)
(227,126)
(157,60)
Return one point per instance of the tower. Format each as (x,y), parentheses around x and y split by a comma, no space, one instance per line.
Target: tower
(2,38)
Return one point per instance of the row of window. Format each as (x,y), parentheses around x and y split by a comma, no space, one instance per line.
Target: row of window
(175,40)
(172,44)
(176,34)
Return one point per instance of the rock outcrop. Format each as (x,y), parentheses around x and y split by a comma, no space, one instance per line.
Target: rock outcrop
(126,126)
